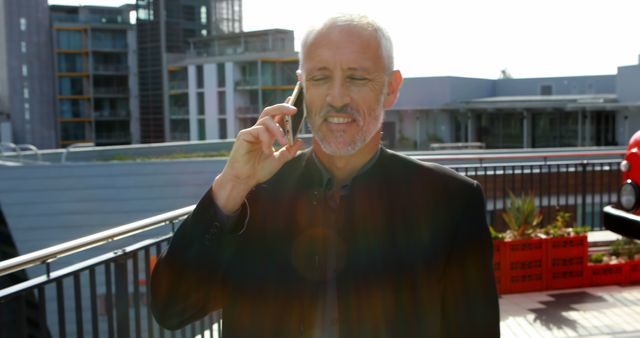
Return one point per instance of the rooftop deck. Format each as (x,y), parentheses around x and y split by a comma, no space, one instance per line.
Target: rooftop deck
(608,311)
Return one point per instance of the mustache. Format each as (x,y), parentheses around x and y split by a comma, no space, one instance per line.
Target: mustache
(340,110)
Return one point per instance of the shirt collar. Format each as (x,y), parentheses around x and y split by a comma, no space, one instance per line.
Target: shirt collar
(327,179)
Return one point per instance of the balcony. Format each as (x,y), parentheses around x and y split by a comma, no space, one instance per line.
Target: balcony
(111,69)
(110,91)
(110,287)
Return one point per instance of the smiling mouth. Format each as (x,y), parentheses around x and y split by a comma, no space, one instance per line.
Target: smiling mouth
(338,120)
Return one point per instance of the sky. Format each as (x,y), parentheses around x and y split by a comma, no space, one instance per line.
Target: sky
(474,38)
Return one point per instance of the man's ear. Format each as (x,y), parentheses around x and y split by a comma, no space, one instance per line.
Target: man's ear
(393,89)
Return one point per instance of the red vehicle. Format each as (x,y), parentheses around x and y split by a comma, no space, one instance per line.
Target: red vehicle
(624,217)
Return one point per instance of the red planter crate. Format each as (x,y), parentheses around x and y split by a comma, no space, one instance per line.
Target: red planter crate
(524,270)
(634,271)
(608,274)
(498,263)
(566,262)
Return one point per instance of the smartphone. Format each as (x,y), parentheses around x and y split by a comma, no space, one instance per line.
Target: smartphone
(293,123)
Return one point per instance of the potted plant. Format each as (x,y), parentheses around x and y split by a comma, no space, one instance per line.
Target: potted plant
(615,267)
(524,250)
(567,248)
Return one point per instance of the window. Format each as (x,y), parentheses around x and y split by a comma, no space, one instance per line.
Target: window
(188,13)
(222,128)
(201,104)
(200,73)
(23,46)
(70,63)
(25,71)
(71,40)
(546,90)
(221,75)
(222,103)
(203,15)
(203,32)
(25,93)
(23,24)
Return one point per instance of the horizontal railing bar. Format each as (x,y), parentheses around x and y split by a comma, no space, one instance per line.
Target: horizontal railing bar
(81,266)
(54,252)
(516,156)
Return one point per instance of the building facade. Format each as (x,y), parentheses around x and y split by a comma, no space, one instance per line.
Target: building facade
(95,75)
(516,113)
(26,74)
(162,39)
(222,84)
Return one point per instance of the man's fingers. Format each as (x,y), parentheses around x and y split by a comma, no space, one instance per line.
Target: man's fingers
(273,127)
(266,139)
(278,109)
(288,152)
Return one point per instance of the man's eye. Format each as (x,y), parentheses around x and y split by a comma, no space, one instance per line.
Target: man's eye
(358,79)
(318,78)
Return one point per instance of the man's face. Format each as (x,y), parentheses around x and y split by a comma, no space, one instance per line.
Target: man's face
(345,84)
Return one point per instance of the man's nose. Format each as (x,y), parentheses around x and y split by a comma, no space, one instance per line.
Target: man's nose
(338,94)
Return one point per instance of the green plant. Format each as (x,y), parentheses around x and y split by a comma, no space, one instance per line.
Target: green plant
(559,227)
(596,258)
(626,248)
(581,230)
(522,216)
(495,234)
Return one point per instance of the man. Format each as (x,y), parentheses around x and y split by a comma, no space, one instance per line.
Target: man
(346,239)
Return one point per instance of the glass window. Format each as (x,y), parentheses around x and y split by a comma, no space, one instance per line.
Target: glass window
(222,128)
(221,75)
(109,39)
(180,130)
(25,70)
(200,74)
(25,93)
(202,134)
(222,103)
(179,105)
(70,63)
(500,130)
(23,46)
(201,104)
(72,109)
(73,131)
(71,40)
(70,86)
(23,24)
(203,32)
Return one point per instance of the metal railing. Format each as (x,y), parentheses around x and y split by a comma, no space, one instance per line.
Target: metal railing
(102,296)
(106,295)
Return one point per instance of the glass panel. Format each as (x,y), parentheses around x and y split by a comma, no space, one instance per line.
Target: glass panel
(222,103)
(178,105)
(222,128)
(68,86)
(200,74)
(109,39)
(202,134)
(180,130)
(70,63)
(221,76)
(70,40)
(72,109)
(112,132)
(201,104)
(74,131)
(500,130)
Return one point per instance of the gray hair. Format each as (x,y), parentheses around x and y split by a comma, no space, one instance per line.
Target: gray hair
(359,21)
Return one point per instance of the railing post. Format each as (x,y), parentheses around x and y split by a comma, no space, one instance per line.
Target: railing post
(122,298)
(584,192)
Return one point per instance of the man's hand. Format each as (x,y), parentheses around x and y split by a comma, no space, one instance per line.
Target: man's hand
(253,159)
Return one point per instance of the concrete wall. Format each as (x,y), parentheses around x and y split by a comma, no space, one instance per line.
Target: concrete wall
(628,84)
(434,92)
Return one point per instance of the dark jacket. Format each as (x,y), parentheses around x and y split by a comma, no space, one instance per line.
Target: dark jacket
(413,256)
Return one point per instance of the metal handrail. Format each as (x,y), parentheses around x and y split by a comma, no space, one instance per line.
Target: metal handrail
(544,156)
(52,253)
(32,148)
(63,158)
